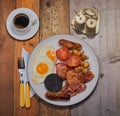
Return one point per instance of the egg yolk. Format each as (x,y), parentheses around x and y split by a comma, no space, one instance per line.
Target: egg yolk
(42,68)
(51,55)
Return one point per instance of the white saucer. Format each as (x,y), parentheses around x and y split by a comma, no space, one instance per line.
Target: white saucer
(33,29)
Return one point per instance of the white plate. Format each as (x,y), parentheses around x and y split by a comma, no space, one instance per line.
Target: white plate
(40,90)
(33,29)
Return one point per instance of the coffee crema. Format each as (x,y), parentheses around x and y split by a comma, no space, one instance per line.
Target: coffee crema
(21,21)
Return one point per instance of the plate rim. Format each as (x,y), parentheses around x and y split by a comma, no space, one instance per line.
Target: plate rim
(83,42)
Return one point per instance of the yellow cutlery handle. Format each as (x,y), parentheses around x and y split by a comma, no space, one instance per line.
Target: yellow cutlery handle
(27,104)
(22,94)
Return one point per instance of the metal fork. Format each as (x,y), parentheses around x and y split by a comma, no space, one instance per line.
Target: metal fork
(21,68)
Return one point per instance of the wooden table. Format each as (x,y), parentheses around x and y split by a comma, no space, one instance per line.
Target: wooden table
(55,17)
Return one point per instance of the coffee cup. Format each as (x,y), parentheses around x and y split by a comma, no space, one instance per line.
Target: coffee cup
(22,23)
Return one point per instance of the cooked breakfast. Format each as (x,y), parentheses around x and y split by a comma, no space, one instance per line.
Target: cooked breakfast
(57,96)
(41,68)
(62,53)
(53,82)
(43,64)
(69,44)
(72,69)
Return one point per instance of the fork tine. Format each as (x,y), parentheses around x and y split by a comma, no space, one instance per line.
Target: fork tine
(21,63)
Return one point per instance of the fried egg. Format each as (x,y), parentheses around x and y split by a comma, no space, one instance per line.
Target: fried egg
(42,67)
(48,52)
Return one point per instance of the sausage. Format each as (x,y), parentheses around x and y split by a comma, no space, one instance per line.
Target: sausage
(57,96)
(70,44)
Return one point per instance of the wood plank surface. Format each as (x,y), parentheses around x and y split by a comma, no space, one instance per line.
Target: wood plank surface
(6,66)
(29,46)
(47,28)
(54,19)
(105,99)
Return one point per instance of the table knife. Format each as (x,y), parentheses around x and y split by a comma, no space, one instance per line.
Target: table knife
(26,55)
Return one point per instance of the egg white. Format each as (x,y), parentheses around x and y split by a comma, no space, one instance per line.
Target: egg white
(37,77)
(43,52)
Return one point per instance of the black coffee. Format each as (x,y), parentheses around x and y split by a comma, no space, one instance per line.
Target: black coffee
(21,21)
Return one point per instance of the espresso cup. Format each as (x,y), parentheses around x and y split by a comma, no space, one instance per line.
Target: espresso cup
(22,24)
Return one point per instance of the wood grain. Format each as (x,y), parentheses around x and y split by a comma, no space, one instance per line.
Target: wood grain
(105,99)
(6,62)
(54,19)
(29,46)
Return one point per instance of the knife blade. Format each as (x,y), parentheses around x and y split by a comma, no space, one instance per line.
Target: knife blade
(26,56)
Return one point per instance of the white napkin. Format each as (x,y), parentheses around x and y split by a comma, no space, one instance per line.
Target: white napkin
(26,56)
